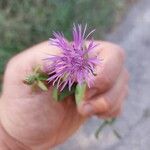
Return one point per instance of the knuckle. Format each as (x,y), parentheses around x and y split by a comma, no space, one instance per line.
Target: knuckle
(108,102)
(101,105)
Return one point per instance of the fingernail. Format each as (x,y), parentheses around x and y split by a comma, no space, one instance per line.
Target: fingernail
(87,109)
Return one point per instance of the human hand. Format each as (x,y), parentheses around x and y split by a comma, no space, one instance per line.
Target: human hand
(38,122)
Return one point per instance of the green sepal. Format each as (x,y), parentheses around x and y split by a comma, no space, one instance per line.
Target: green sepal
(55,93)
(80,92)
(61,95)
(65,93)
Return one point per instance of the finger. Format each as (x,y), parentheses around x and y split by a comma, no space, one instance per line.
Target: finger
(103,103)
(112,63)
(115,114)
(120,100)
(116,109)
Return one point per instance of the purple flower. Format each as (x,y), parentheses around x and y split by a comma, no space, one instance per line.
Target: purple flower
(74,64)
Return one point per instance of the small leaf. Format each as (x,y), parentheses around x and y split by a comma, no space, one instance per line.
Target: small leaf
(80,92)
(30,79)
(41,85)
(55,93)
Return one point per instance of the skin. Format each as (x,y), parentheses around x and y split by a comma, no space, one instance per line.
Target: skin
(33,121)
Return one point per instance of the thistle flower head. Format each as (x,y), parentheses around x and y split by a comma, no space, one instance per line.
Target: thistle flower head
(74,64)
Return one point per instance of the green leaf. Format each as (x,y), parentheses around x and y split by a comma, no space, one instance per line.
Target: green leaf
(41,85)
(80,92)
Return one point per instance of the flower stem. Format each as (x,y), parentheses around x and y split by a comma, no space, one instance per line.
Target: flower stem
(100,128)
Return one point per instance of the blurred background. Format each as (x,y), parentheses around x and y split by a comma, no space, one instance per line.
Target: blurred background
(125,22)
(27,22)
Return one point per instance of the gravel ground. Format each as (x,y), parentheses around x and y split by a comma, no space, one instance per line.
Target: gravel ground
(134,124)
